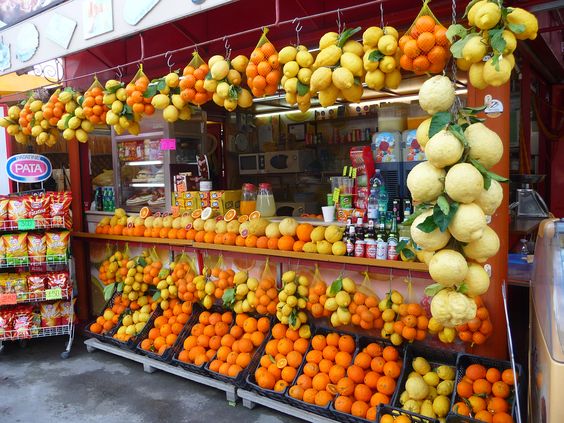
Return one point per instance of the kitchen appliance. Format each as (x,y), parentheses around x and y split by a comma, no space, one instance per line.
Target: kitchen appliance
(251,164)
(288,161)
(546,349)
(528,202)
(295,209)
(412,155)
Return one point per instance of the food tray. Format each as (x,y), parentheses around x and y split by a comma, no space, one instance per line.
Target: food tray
(312,408)
(415,418)
(104,337)
(166,357)
(131,344)
(363,341)
(465,360)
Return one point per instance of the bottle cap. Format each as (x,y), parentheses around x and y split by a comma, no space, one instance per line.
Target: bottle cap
(249,187)
(265,185)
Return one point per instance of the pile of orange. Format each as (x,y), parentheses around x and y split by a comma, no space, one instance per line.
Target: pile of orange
(365,312)
(412,324)
(167,327)
(327,369)
(93,106)
(370,380)
(389,418)
(53,110)
(130,231)
(283,356)
(26,116)
(192,85)
(479,329)
(183,275)
(101,325)
(484,393)
(316,299)
(267,296)
(135,92)
(151,272)
(425,48)
(108,277)
(263,71)
(222,279)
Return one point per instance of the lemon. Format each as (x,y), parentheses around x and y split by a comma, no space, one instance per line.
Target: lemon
(219,69)
(291,69)
(177,101)
(487,16)
(411,404)
(475,49)
(436,94)
(485,145)
(217,99)
(121,94)
(484,247)
(448,267)
(494,76)
(463,64)
(353,46)
(427,409)
(310,247)
(339,248)
(443,149)
(416,388)
(304,75)
(353,94)
(304,58)
(476,75)
(422,133)
(369,66)
(240,62)
(160,101)
(328,96)
(520,16)
(234,77)
(375,80)
(468,223)
(371,36)
(431,241)
(463,183)
(425,182)
(473,10)
(42,138)
(441,405)
(324,247)
(117,107)
(291,85)
(421,366)
(343,298)
(477,280)
(73,123)
(387,44)
(81,135)
(321,79)
(328,39)
(333,233)
(393,79)
(222,89)
(342,78)
(511,59)
(87,125)
(287,54)
(431,378)
(387,64)
(328,57)
(489,200)
(353,63)
(390,30)
(510,41)
(170,114)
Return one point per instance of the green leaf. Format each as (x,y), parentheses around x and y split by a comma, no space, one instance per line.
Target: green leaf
(233,93)
(346,34)
(336,286)
(161,85)
(473,110)
(438,122)
(67,120)
(463,288)
(208,76)
(156,295)
(175,90)
(109,291)
(456,48)
(428,225)
(433,289)
(120,287)
(80,100)
(228,297)
(497,177)
(479,166)
(441,219)
(416,213)
(293,318)
(151,90)
(375,56)
(457,131)
(516,28)
(127,111)
(401,246)
(496,40)
(303,89)
(271,358)
(113,89)
(456,30)
(442,202)
(408,254)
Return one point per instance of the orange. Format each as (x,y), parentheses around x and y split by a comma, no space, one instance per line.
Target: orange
(272,243)
(250,325)
(330,352)
(482,386)
(296,392)
(355,373)
(362,392)
(200,236)
(421,64)
(363,360)
(377,364)
(322,398)
(371,379)
(264,68)
(425,23)
(209,237)
(500,389)
(386,385)
(96,327)
(183,356)
(359,409)
(320,381)
(477,403)
(286,243)
(461,408)
(484,416)
(303,232)
(278,331)
(493,375)
(371,414)
(304,381)
(336,373)
(262,242)
(311,369)
(345,359)
(392,369)
(497,405)
(325,365)
(318,342)
(507,376)
(346,344)
(346,386)
(240,241)
(309,395)
(410,49)
(464,389)
(502,418)
(333,339)
(243,360)
(343,404)
(437,54)
(476,371)
(379,398)
(389,353)
(440,36)
(285,346)
(289,374)
(267,49)
(294,359)
(426,41)
(373,349)
(314,356)
(251,241)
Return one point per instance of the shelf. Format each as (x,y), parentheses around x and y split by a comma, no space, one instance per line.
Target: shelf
(12,335)
(133,239)
(39,296)
(38,262)
(47,223)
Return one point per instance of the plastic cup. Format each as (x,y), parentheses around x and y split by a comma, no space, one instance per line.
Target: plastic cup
(328,213)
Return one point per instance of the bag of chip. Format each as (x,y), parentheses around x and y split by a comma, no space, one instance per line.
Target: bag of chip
(60,280)
(35,322)
(15,247)
(3,211)
(263,70)
(57,246)
(22,320)
(36,285)
(17,208)
(66,311)
(60,209)
(19,285)
(5,323)
(2,253)
(38,208)
(49,315)
(36,248)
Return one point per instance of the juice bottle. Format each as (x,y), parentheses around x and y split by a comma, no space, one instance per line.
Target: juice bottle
(248,199)
(265,200)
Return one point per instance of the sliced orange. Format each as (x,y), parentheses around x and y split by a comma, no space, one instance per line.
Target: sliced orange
(281,363)
(332,389)
(144,212)
(230,215)
(254,215)
(206,213)
(196,213)
(243,218)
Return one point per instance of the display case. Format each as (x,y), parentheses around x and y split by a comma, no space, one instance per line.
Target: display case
(145,164)
(546,352)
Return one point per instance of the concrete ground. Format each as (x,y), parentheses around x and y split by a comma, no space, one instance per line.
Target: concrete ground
(36,385)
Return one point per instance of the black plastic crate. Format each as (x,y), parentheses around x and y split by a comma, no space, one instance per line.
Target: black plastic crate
(132,342)
(312,408)
(363,341)
(166,357)
(104,337)
(435,357)
(465,360)
(394,411)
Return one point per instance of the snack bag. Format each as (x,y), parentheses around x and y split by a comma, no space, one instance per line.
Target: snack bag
(35,323)
(37,208)
(17,208)
(15,246)
(192,85)
(66,311)
(2,253)
(36,285)
(19,285)
(60,280)
(49,315)
(22,320)
(263,70)
(59,209)
(3,211)
(36,248)
(5,322)
(425,46)
(57,246)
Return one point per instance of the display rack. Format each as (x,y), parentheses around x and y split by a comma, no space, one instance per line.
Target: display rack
(32,224)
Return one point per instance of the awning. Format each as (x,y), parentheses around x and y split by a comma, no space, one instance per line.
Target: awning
(13,83)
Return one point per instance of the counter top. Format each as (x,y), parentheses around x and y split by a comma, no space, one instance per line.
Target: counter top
(524,226)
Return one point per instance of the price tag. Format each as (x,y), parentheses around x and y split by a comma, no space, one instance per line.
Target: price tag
(168,144)
(7,299)
(26,224)
(354,173)
(53,294)
(336,193)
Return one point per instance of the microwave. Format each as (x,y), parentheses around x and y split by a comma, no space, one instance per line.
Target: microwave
(251,164)
(288,161)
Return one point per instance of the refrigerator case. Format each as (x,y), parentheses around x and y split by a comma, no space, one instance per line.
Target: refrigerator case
(546,352)
(412,155)
(145,164)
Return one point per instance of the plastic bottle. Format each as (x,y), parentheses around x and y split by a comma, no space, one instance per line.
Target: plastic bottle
(382,201)
(265,201)
(248,199)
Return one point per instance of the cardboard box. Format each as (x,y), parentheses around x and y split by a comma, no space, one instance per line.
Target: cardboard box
(225,200)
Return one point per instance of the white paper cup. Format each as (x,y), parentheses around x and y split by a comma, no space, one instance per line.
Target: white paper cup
(328,213)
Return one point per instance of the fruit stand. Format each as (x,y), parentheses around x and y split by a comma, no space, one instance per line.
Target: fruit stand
(391,309)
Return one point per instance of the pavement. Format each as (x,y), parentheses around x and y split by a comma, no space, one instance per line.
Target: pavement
(36,385)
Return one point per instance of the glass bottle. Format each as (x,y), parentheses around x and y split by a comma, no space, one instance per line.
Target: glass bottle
(248,199)
(265,200)
(403,229)
(372,208)
(382,200)
(370,241)
(393,237)
(350,242)
(381,241)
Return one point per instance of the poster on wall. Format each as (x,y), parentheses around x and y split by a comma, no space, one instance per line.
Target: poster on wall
(27,42)
(97,18)
(135,10)
(14,11)
(60,30)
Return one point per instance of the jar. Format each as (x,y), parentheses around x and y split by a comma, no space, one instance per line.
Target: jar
(248,199)
(265,200)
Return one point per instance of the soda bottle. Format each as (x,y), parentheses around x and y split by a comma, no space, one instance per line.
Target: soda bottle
(351,239)
(393,240)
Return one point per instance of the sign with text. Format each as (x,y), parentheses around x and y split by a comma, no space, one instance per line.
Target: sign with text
(53,294)
(26,224)
(8,299)
(28,168)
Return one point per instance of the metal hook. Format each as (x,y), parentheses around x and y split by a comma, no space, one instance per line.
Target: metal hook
(119,73)
(169,62)
(381,14)
(339,13)
(227,48)
(299,28)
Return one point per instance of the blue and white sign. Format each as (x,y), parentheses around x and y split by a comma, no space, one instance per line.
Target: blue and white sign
(28,168)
